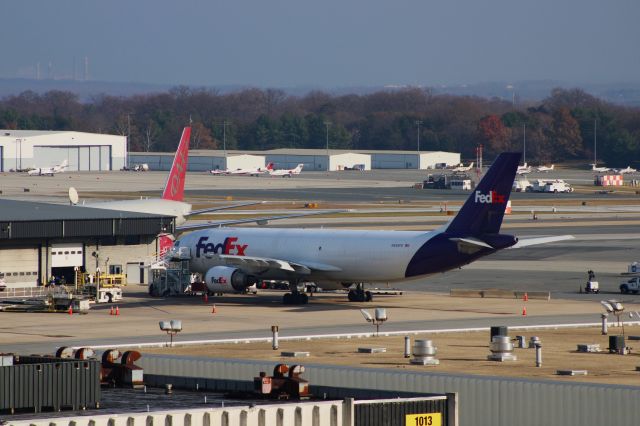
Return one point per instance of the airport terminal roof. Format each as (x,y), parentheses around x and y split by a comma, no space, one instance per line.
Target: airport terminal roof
(24,219)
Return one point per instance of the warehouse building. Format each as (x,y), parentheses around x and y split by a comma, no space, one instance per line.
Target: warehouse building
(24,149)
(39,240)
(201,160)
(413,159)
(318,159)
(313,159)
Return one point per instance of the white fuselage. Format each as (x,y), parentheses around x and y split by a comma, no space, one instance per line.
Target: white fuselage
(159,206)
(357,256)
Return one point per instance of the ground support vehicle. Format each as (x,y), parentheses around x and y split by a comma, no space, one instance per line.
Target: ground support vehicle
(630,286)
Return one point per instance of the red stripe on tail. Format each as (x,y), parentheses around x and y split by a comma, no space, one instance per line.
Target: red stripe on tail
(174,189)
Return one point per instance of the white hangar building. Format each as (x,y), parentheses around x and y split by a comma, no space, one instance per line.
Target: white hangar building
(413,159)
(317,159)
(200,160)
(22,149)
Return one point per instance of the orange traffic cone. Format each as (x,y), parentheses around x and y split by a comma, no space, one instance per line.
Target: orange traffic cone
(213,309)
(524,311)
(111,311)
(205,298)
(117,311)
(70,310)
(526,297)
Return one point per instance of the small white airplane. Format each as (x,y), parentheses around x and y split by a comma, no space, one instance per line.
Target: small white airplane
(463,168)
(49,171)
(232,259)
(599,169)
(239,172)
(628,169)
(284,172)
(545,168)
(523,170)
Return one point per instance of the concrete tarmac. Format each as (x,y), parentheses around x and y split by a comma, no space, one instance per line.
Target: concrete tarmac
(606,241)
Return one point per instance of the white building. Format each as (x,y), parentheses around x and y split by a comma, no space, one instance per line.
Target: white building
(412,160)
(317,159)
(200,160)
(22,149)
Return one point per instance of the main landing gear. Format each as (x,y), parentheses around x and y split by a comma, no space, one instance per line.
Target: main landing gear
(295,297)
(359,294)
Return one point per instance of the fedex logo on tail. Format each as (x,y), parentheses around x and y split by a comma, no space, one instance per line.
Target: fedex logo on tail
(228,246)
(491,198)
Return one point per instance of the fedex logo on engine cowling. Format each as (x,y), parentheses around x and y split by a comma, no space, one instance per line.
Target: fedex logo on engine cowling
(491,198)
(228,246)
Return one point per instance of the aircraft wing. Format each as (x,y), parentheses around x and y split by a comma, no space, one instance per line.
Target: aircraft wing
(541,240)
(258,220)
(252,262)
(219,208)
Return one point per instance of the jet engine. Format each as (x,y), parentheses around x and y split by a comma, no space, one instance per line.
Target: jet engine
(225,279)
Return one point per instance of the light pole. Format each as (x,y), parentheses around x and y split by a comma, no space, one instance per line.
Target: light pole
(224,138)
(418,123)
(295,138)
(327,124)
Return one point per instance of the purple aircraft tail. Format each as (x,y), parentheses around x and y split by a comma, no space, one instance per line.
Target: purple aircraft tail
(483,211)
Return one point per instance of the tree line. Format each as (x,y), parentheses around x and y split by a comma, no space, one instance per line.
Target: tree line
(559,128)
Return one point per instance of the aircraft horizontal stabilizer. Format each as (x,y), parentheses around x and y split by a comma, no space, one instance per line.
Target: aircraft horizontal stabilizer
(470,245)
(541,240)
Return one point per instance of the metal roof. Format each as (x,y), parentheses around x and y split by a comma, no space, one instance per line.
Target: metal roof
(20,220)
(36,133)
(21,211)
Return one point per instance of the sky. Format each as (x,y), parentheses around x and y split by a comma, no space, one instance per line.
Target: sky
(324,44)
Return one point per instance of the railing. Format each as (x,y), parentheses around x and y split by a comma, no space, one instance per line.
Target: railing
(13,292)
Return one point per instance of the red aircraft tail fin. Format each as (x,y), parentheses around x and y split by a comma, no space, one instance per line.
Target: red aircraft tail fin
(174,189)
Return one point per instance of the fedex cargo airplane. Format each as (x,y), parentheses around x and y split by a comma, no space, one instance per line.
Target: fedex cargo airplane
(231,259)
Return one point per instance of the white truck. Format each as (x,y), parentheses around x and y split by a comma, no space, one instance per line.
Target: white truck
(555,186)
(631,286)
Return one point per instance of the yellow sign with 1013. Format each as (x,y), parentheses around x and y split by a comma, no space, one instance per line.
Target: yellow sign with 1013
(424,419)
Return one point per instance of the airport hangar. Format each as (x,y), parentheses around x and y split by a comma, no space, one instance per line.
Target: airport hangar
(22,149)
(313,159)
(40,240)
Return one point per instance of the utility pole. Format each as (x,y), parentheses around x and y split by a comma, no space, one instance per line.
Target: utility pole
(327,124)
(126,160)
(419,123)
(595,143)
(524,148)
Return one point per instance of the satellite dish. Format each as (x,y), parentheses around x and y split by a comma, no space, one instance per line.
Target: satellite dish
(73,196)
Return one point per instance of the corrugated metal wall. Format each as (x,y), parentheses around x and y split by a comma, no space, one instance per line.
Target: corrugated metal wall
(393,413)
(483,401)
(80,228)
(38,383)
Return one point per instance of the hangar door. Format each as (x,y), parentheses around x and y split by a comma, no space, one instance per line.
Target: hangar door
(19,267)
(64,259)
(79,157)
